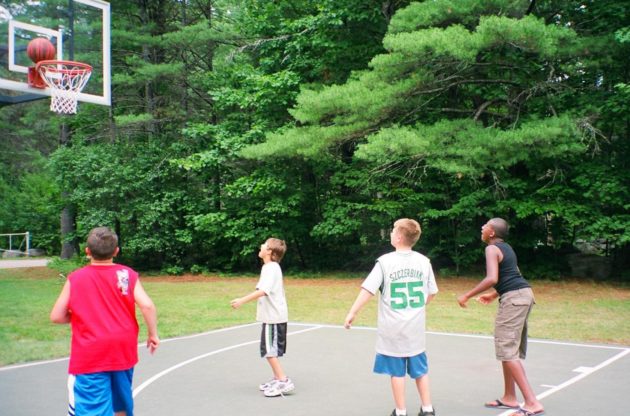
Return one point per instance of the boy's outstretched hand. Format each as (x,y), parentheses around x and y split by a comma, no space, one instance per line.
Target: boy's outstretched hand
(487,298)
(462,300)
(236,303)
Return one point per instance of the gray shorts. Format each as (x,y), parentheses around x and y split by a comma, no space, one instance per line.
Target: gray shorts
(510,329)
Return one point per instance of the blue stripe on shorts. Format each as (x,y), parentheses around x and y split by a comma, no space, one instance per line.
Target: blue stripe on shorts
(415,366)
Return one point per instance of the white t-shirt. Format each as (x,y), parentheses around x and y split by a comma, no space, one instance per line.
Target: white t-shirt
(405,280)
(272,309)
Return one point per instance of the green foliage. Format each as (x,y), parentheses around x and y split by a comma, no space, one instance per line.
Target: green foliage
(322,40)
(321,122)
(400,82)
(267,203)
(473,109)
(32,204)
(136,192)
(450,12)
(65,267)
(463,148)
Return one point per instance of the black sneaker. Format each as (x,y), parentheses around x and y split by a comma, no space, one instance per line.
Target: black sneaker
(393,413)
(423,413)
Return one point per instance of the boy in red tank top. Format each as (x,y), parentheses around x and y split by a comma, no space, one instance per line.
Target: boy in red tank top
(99,302)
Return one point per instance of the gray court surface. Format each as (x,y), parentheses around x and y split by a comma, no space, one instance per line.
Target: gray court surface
(218,372)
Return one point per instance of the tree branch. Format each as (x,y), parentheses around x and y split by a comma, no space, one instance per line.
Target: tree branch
(259,42)
(482,108)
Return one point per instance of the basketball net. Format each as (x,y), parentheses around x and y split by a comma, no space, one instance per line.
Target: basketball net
(66,80)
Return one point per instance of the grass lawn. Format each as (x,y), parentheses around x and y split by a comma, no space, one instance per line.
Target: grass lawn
(565,310)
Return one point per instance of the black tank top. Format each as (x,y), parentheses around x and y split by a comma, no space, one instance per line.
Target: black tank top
(510,277)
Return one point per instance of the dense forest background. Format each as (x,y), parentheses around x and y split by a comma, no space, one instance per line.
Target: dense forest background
(322,121)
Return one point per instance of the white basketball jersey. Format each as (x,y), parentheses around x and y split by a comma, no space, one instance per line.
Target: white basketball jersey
(405,280)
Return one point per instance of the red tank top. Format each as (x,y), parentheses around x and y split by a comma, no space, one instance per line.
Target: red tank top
(103,319)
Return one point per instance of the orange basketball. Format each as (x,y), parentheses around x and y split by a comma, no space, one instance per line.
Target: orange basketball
(40,49)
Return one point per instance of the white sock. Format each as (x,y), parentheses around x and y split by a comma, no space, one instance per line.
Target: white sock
(401,412)
(428,408)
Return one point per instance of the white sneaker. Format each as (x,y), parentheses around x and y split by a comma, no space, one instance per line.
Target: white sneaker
(267,385)
(279,388)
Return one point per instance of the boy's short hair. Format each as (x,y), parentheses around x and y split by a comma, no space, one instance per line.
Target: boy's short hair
(409,230)
(500,226)
(102,243)
(278,248)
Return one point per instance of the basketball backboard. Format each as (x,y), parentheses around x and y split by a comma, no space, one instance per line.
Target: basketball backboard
(80,31)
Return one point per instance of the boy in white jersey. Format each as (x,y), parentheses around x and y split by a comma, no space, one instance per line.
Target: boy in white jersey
(406,283)
(272,311)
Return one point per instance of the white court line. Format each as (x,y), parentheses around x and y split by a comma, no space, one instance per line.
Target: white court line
(142,344)
(536,341)
(18,366)
(577,378)
(449,334)
(144,385)
(584,374)
(584,371)
(365,328)
(201,334)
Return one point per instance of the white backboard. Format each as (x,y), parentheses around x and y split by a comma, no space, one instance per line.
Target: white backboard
(80,30)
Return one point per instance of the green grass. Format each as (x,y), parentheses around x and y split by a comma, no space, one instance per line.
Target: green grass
(25,331)
(573,311)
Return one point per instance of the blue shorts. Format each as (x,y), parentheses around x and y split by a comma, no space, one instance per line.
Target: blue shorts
(100,394)
(415,366)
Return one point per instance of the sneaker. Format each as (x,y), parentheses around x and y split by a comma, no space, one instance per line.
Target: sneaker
(394,413)
(423,413)
(267,385)
(279,388)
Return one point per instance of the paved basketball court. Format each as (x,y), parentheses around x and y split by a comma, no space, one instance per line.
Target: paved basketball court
(217,373)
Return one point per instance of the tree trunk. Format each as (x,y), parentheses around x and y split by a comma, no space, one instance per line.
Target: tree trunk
(69,246)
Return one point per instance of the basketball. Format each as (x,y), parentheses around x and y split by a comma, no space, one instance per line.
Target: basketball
(40,49)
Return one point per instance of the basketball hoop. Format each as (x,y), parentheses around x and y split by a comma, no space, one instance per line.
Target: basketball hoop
(65,79)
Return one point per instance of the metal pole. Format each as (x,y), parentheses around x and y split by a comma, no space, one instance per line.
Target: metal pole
(28,244)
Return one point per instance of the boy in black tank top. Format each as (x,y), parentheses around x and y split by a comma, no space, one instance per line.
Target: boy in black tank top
(515,302)
(510,277)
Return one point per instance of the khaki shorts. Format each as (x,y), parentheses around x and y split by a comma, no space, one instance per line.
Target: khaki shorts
(510,329)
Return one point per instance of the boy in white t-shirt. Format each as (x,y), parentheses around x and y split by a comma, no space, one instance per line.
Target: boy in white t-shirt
(406,283)
(272,311)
